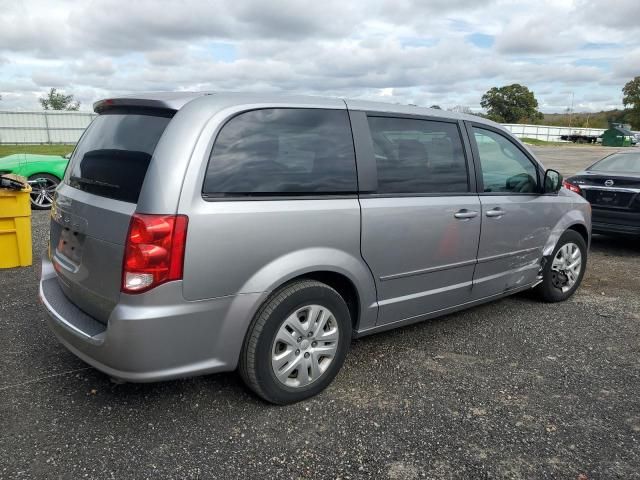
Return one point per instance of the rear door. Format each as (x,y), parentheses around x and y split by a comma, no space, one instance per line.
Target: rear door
(516,218)
(420,215)
(94,204)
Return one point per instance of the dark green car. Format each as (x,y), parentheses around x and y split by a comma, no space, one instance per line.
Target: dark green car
(44,172)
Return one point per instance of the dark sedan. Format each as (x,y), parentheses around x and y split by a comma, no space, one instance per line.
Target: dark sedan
(612,186)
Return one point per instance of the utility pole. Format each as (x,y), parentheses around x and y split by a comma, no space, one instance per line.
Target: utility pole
(571,112)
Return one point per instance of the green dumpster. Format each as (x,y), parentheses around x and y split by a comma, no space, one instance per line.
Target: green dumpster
(617,136)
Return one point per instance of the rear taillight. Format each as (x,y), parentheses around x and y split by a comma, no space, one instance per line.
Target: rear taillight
(154,252)
(571,186)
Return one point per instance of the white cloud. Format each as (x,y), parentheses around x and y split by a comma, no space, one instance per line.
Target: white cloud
(621,15)
(401,51)
(628,65)
(545,33)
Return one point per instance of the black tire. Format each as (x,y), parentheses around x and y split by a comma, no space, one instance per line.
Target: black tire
(547,291)
(255,359)
(50,184)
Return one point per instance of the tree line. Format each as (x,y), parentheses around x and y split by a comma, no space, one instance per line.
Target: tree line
(517,104)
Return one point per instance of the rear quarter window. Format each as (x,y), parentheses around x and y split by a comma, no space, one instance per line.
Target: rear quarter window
(283,151)
(112,157)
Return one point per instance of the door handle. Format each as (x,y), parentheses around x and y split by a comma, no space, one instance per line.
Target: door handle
(496,212)
(465,214)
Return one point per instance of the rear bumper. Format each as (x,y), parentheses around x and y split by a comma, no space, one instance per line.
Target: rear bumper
(155,336)
(615,228)
(605,221)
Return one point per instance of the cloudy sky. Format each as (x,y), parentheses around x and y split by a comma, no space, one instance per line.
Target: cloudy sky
(446,52)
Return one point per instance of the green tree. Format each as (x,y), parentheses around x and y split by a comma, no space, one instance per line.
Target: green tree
(631,98)
(511,104)
(55,100)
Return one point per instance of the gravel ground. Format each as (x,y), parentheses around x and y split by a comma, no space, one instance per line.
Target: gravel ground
(512,389)
(568,160)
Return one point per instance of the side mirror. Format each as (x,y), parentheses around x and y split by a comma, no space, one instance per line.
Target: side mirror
(552,181)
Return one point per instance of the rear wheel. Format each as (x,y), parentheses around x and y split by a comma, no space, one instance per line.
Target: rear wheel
(564,271)
(43,187)
(297,342)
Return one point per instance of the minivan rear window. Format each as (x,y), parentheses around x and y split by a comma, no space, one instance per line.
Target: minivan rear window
(283,151)
(113,155)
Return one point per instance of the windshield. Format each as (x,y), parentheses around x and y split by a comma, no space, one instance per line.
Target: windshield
(619,162)
(113,155)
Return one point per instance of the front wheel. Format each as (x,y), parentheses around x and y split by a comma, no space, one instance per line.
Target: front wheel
(563,272)
(297,342)
(43,187)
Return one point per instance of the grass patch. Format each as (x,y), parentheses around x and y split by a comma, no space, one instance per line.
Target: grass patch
(39,149)
(535,141)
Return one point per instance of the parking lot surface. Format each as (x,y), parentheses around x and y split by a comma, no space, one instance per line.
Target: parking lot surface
(511,389)
(573,158)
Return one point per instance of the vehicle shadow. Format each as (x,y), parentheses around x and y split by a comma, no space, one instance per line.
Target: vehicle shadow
(95,389)
(211,389)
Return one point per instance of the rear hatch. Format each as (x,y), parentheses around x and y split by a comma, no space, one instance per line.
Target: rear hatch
(94,204)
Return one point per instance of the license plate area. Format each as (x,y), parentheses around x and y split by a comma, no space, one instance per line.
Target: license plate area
(70,245)
(605,198)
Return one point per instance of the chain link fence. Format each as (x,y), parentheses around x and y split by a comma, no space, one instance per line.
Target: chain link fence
(43,127)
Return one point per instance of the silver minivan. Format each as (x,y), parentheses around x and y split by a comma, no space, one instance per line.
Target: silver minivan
(197,233)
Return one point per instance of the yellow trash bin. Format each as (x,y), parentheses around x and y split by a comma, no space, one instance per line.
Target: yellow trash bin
(15,227)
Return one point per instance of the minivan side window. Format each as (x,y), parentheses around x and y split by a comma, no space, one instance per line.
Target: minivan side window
(283,151)
(418,156)
(505,169)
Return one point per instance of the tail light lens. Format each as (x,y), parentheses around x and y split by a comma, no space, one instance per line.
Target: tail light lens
(154,252)
(571,186)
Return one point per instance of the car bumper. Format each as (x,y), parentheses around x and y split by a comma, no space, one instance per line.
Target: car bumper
(616,228)
(615,222)
(154,336)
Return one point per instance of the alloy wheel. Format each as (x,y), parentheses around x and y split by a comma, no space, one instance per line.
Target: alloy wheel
(566,266)
(42,191)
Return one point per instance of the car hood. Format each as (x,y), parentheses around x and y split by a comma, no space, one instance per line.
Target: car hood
(11,161)
(17,158)
(31,157)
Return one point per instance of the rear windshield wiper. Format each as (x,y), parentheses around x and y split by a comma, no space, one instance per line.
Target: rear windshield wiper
(90,181)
